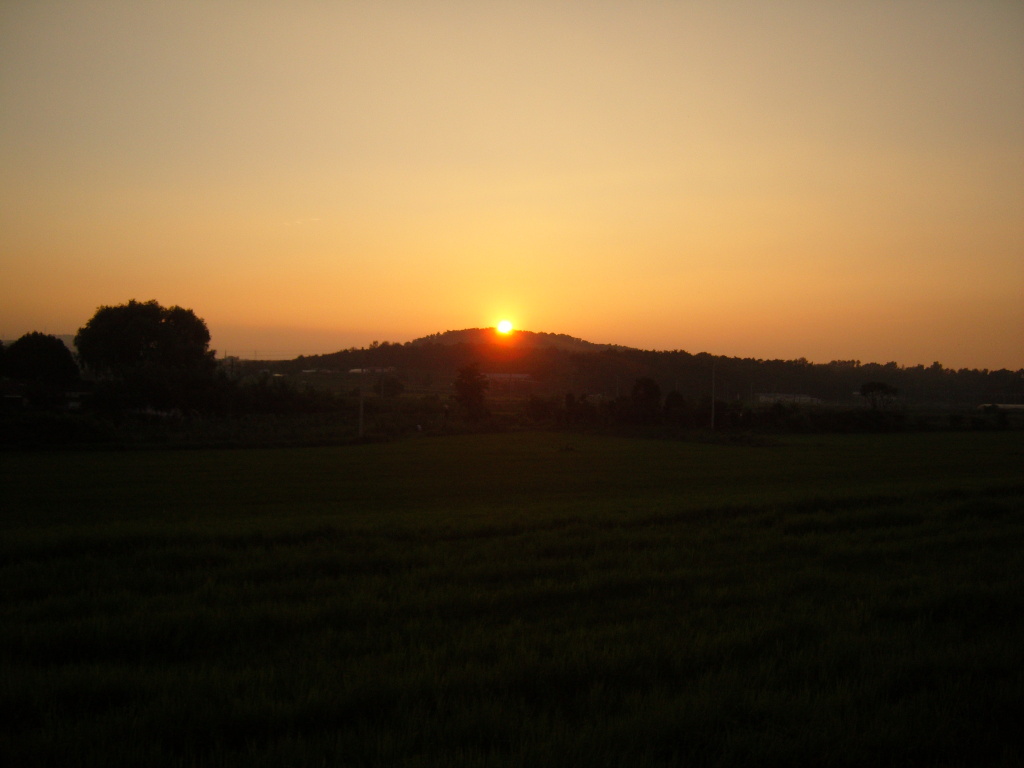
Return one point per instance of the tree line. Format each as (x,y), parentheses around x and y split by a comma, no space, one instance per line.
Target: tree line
(141,357)
(611,372)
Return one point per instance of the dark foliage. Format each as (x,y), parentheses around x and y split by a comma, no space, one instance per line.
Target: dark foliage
(678,410)
(878,394)
(470,386)
(42,370)
(41,359)
(608,372)
(645,399)
(149,355)
(152,362)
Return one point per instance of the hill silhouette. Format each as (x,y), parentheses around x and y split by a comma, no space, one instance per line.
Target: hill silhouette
(517,338)
(559,364)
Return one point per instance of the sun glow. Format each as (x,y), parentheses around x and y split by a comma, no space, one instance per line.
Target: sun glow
(505,326)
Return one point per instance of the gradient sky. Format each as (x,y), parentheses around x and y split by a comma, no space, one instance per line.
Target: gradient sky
(771,180)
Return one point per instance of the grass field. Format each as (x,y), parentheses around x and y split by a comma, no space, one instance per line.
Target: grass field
(517,600)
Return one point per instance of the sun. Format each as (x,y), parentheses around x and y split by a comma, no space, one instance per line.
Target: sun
(505,326)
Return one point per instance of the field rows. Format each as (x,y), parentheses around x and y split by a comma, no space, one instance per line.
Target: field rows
(522,599)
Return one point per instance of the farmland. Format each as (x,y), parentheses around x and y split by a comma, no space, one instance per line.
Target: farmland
(517,599)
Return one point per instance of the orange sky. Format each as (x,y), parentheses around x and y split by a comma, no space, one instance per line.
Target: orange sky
(773,180)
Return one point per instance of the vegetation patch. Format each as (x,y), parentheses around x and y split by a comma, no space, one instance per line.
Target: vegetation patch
(500,600)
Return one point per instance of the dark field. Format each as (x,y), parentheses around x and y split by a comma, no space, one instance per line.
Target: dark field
(521,600)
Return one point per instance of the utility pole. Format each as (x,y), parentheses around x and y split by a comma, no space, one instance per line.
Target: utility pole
(712,394)
(362,380)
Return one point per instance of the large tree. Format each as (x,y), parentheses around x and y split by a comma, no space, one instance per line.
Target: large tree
(160,353)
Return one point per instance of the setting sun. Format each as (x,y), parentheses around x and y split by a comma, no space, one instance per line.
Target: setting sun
(505,326)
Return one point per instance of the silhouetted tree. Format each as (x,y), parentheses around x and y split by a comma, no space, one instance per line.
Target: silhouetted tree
(677,410)
(43,368)
(41,359)
(118,340)
(645,398)
(878,394)
(160,354)
(470,386)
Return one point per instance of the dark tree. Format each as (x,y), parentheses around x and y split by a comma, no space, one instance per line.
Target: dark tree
(878,394)
(161,355)
(470,386)
(118,340)
(43,369)
(41,359)
(677,409)
(646,399)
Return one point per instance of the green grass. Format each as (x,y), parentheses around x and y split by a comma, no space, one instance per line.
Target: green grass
(521,599)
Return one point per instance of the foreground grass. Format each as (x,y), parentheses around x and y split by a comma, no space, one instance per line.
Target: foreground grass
(517,600)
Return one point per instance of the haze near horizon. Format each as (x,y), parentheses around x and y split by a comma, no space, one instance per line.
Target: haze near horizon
(772,181)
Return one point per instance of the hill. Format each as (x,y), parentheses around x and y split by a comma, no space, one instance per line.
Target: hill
(523,339)
(560,364)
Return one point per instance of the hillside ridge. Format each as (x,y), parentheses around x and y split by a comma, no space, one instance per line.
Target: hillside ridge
(529,339)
